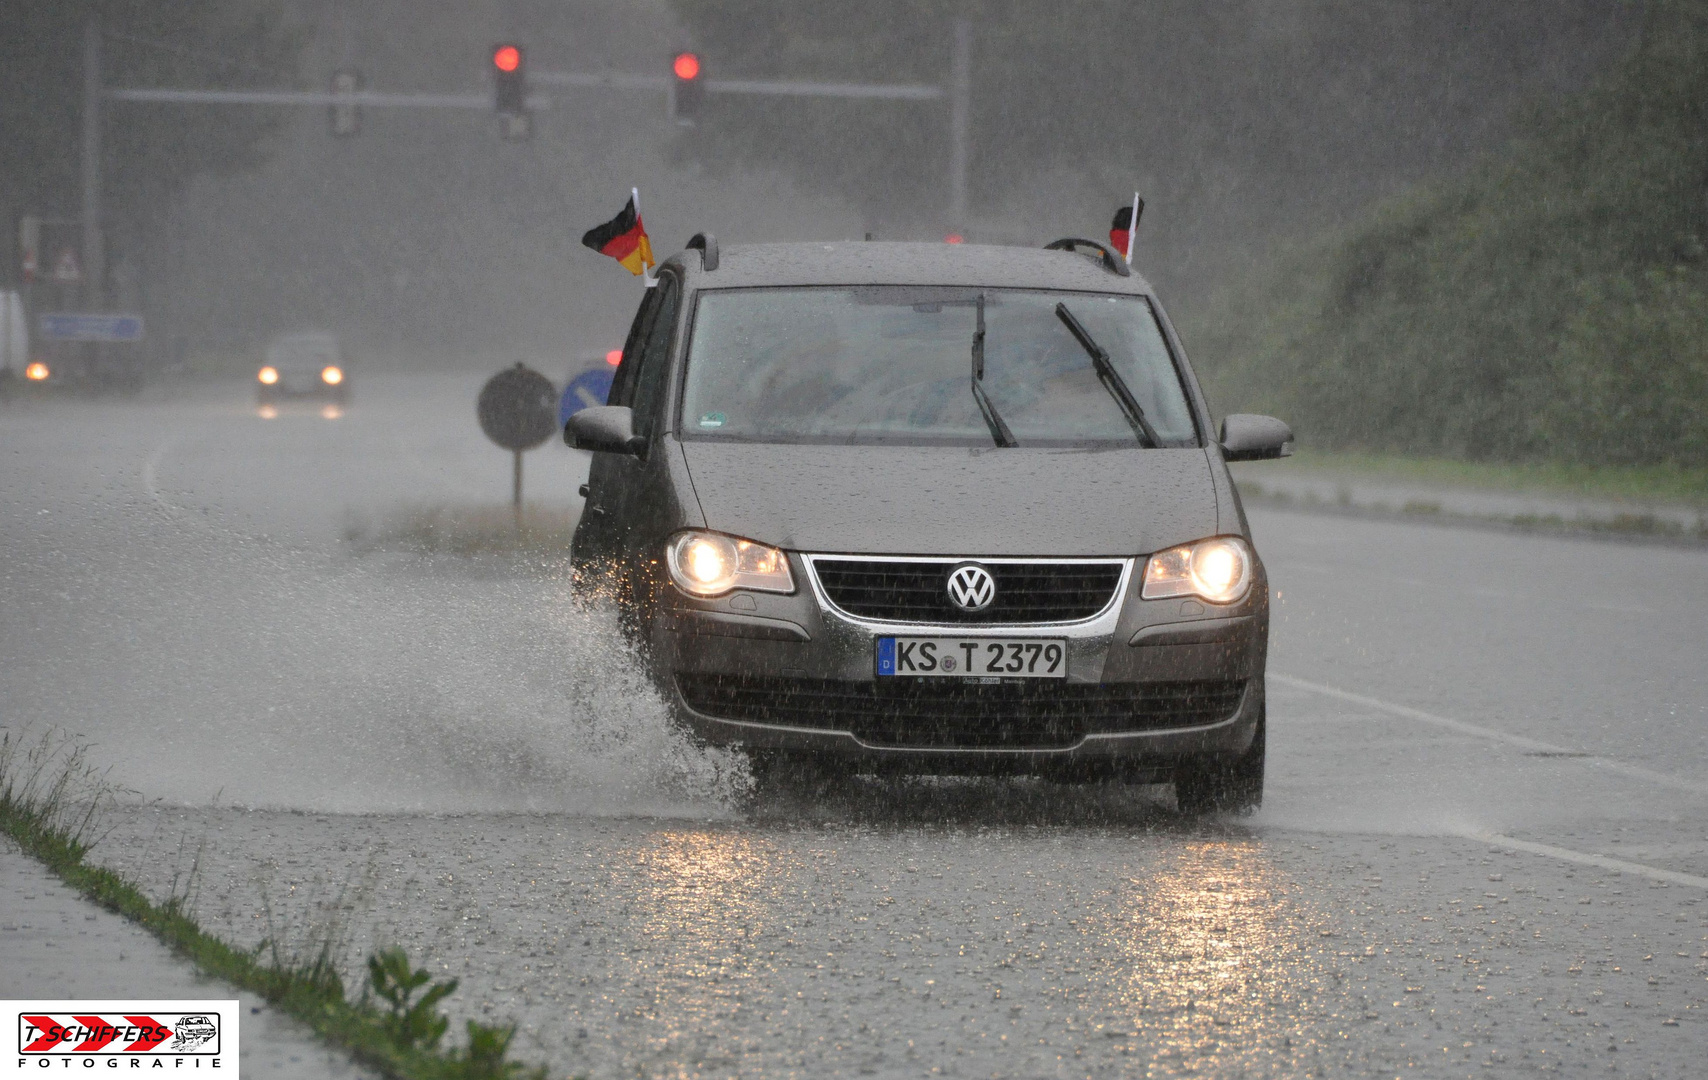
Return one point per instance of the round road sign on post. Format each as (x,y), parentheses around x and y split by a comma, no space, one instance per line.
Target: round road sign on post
(518,408)
(518,411)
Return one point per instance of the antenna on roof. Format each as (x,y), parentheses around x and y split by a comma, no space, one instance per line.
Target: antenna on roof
(1111,261)
(707,245)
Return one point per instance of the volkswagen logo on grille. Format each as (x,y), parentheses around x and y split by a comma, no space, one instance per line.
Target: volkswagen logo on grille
(971,588)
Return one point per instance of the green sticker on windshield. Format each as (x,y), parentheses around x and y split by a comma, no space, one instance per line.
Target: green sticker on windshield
(713,419)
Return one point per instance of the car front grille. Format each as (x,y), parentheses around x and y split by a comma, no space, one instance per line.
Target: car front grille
(1030,592)
(952,714)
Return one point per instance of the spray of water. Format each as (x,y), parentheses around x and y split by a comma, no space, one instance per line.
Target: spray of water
(211,662)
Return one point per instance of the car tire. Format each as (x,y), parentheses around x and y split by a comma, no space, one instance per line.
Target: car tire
(1220,785)
(634,607)
(778,772)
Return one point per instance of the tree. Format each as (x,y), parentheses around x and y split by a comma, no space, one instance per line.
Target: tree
(150,151)
(1240,119)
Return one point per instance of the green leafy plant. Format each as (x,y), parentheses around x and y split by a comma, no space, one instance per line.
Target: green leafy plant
(413,1023)
(51,800)
(487,1047)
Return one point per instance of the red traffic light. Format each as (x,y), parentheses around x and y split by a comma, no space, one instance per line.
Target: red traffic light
(686,66)
(507,58)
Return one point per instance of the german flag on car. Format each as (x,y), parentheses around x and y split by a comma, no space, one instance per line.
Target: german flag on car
(1126,223)
(624,239)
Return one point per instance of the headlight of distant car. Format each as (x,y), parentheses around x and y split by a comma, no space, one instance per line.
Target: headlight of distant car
(268,376)
(331,375)
(708,563)
(1217,569)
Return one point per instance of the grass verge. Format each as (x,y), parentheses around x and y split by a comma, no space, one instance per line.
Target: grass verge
(1670,528)
(466,531)
(51,800)
(1635,482)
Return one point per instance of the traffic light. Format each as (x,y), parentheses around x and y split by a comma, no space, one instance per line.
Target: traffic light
(510,90)
(345,118)
(688,89)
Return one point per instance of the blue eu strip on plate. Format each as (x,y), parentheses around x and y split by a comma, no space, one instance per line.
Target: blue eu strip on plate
(886,656)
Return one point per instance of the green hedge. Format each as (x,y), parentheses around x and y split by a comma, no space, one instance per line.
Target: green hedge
(1551,304)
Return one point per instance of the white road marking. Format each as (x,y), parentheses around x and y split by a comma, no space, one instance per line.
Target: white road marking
(1533,745)
(1620,609)
(151,474)
(1586,859)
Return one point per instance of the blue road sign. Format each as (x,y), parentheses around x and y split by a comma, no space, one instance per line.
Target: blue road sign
(78,326)
(591,387)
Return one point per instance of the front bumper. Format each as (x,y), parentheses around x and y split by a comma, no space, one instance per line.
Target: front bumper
(1149,683)
(303,390)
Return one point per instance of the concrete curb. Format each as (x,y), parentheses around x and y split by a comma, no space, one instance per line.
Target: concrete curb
(56,944)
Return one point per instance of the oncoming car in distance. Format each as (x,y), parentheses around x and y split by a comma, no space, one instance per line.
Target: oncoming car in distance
(933,509)
(310,365)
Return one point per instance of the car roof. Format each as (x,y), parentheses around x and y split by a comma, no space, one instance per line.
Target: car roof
(859,262)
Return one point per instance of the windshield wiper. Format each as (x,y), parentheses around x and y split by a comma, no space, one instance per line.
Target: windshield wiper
(1110,378)
(993,420)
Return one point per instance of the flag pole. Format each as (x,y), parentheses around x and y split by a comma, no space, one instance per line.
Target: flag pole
(646,269)
(1132,228)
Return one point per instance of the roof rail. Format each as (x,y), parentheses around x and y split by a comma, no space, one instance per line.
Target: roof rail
(707,245)
(1111,261)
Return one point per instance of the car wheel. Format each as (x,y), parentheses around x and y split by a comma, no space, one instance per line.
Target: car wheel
(1221,786)
(634,614)
(777,772)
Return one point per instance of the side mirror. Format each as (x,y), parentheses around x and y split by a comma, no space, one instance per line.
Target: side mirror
(606,428)
(1247,437)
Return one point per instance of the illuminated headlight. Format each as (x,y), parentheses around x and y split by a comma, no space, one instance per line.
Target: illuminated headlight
(268,376)
(1217,569)
(37,372)
(331,376)
(707,563)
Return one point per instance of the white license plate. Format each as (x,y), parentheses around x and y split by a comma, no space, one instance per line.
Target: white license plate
(974,657)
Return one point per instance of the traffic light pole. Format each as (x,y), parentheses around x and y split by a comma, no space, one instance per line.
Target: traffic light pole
(372,98)
(615,80)
(94,262)
(960,122)
(958,93)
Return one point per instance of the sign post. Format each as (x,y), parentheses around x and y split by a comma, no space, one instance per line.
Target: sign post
(518,410)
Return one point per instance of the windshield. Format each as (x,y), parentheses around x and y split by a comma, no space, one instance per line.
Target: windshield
(895,364)
(303,350)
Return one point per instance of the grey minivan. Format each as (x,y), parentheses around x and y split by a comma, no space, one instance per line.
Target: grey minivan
(933,509)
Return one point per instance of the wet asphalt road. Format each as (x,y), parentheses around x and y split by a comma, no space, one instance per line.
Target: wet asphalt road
(1484,850)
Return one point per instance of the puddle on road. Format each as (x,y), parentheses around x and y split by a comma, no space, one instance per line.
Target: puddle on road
(654,947)
(212,666)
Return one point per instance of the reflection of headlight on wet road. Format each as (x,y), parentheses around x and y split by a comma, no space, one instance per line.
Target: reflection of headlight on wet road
(331,412)
(268,376)
(331,376)
(268,412)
